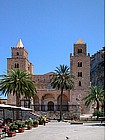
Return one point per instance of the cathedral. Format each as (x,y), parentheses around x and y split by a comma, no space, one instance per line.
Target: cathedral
(47,99)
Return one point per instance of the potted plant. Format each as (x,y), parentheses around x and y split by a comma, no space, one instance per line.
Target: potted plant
(6,128)
(12,129)
(29,124)
(41,121)
(21,126)
(35,123)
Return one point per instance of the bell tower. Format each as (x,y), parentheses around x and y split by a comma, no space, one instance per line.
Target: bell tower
(19,58)
(80,65)
(80,68)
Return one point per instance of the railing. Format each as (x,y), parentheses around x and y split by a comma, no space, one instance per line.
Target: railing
(53,107)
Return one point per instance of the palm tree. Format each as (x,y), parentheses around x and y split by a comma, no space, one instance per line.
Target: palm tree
(97,95)
(19,83)
(62,79)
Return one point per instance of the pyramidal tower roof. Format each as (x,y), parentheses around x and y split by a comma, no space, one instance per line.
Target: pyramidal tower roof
(19,44)
(80,41)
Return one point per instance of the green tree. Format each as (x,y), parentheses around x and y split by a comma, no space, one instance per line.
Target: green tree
(95,95)
(17,82)
(62,80)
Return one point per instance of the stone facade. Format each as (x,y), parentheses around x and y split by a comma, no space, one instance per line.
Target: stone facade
(48,99)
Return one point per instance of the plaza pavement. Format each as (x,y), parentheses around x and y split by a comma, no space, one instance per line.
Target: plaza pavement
(59,131)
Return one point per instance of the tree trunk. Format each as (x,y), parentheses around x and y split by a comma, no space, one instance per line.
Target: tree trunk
(17,104)
(61,105)
(97,109)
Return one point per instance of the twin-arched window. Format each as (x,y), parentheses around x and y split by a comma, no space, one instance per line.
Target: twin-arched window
(79,74)
(16,65)
(79,50)
(79,64)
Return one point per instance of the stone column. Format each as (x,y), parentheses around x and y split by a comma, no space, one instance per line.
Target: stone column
(40,103)
(55,104)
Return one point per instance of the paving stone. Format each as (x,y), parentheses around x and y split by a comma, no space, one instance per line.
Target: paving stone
(61,130)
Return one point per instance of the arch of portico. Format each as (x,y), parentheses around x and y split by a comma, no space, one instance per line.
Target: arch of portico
(51,102)
(64,102)
(48,102)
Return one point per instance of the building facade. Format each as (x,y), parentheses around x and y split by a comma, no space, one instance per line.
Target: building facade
(47,99)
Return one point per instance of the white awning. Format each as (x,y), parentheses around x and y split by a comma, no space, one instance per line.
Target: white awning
(26,109)
(5,106)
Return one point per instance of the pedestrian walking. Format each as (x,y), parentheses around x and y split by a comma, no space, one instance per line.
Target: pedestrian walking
(44,118)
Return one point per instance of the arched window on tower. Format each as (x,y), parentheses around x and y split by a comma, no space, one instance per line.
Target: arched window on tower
(80,83)
(79,50)
(17,53)
(17,65)
(79,64)
(79,74)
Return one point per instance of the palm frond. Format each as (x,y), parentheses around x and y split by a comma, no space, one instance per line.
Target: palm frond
(95,94)
(17,82)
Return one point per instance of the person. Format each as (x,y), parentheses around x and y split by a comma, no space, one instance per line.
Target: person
(44,118)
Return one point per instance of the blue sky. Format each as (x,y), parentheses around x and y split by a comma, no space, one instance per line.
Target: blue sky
(49,28)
